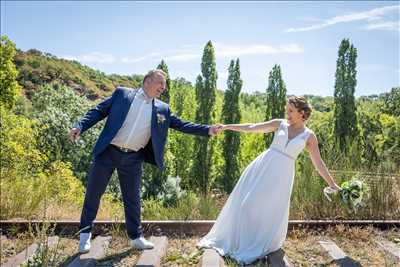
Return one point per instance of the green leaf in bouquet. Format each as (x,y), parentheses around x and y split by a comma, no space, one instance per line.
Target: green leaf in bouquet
(352,194)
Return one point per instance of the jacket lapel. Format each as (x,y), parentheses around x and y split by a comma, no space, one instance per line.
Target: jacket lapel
(131,96)
(154,118)
(126,105)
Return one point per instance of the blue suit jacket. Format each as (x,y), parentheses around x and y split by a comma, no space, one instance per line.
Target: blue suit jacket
(116,107)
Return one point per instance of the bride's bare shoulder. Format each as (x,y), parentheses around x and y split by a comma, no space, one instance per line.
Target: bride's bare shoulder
(311,137)
(276,123)
(281,122)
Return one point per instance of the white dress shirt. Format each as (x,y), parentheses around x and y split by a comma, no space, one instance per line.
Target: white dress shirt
(135,132)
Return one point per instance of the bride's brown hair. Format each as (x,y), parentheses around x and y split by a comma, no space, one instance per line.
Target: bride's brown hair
(301,104)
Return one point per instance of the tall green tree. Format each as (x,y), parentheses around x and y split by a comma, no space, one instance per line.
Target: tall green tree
(276,98)
(183,104)
(166,95)
(392,102)
(206,86)
(345,117)
(9,87)
(231,115)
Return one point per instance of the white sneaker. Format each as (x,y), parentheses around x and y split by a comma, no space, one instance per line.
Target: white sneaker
(84,242)
(141,243)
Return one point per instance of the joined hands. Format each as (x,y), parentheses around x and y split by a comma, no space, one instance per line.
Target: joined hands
(216,129)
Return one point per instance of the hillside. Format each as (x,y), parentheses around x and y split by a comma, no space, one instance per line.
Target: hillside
(37,68)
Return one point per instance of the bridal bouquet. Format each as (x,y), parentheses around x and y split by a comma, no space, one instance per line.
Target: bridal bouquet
(351,194)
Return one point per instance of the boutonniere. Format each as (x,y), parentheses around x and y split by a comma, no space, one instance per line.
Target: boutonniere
(160,118)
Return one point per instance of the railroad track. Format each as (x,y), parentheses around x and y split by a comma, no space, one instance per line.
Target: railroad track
(187,227)
(159,232)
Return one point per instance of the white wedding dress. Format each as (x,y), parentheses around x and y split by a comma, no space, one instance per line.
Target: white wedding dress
(254,219)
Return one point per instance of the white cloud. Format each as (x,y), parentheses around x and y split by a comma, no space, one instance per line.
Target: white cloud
(69,57)
(140,59)
(223,75)
(224,50)
(291,49)
(93,57)
(182,57)
(384,25)
(184,53)
(370,16)
(183,74)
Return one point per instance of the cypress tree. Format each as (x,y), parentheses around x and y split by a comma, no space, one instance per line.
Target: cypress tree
(206,86)
(276,98)
(345,117)
(231,115)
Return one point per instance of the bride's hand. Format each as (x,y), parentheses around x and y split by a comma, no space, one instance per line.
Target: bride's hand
(214,129)
(336,187)
(224,127)
(221,127)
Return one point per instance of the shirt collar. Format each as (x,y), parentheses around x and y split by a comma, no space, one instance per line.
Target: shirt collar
(142,95)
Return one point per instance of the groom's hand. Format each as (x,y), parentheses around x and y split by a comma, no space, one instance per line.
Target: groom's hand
(74,134)
(215,129)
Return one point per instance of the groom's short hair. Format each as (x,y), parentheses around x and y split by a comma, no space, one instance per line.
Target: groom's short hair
(152,73)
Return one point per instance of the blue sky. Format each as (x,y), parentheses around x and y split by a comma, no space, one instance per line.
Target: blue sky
(133,37)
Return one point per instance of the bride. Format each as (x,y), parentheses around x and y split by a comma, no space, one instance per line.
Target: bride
(254,219)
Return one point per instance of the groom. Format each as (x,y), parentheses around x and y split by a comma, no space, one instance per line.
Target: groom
(135,131)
